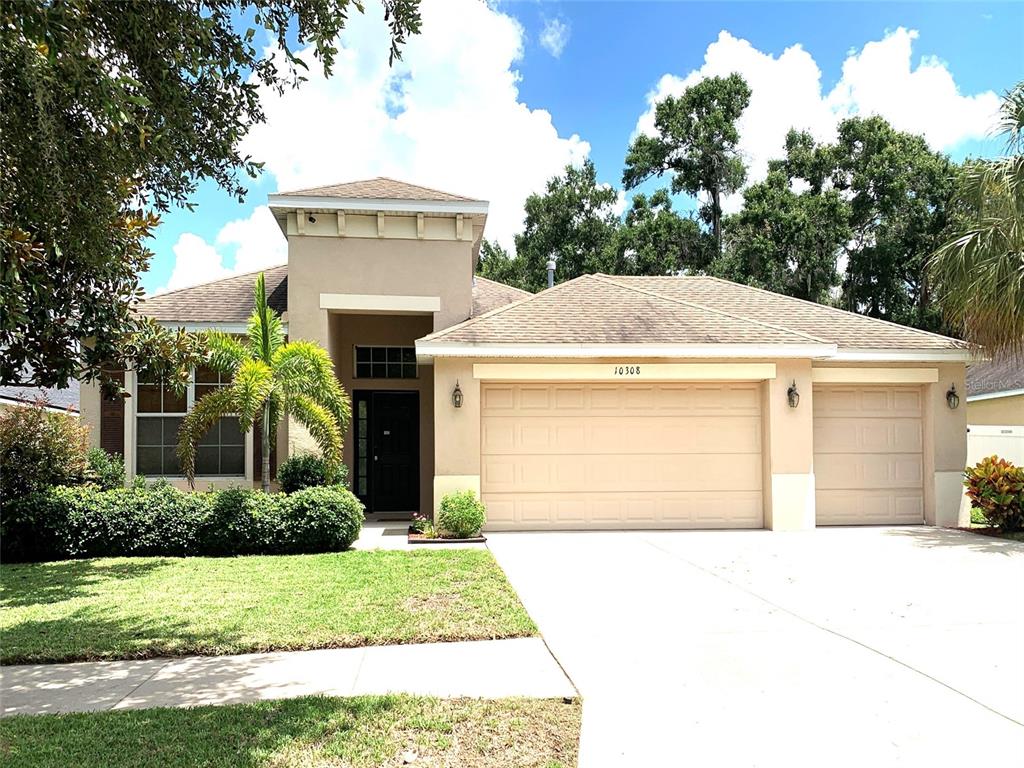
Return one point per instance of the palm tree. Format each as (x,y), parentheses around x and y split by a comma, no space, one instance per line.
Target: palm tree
(269,377)
(979,273)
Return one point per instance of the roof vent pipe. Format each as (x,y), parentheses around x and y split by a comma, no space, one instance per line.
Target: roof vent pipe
(551,273)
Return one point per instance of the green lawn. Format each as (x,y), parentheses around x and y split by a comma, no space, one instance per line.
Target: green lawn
(120,608)
(307,732)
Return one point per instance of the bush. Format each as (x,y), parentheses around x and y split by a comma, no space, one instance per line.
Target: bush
(105,469)
(996,489)
(78,522)
(462,514)
(39,449)
(307,471)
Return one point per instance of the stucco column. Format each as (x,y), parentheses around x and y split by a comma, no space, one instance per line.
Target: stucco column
(789,449)
(456,430)
(945,449)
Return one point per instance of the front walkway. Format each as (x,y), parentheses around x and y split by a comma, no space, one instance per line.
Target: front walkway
(485,669)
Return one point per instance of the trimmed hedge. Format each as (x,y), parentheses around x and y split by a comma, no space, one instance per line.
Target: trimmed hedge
(77,522)
(307,470)
(461,514)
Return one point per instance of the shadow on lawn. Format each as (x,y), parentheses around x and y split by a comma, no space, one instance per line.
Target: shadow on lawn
(26,584)
(927,536)
(252,735)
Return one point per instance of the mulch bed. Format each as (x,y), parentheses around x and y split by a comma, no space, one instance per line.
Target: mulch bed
(415,537)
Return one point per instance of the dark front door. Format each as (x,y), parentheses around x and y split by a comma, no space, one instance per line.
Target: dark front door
(392,451)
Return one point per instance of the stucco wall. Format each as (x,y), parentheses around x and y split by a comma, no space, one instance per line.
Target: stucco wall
(997,411)
(89,399)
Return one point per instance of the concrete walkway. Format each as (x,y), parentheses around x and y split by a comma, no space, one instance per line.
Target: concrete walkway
(485,669)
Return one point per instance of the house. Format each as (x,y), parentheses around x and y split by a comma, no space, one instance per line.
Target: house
(603,402)
(55,400)
(995,410)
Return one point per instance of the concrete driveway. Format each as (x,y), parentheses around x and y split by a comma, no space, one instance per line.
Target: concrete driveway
(836,647)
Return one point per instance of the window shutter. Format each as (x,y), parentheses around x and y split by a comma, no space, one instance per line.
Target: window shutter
(112,418)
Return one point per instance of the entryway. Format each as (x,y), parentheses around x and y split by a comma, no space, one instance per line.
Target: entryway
(387,428)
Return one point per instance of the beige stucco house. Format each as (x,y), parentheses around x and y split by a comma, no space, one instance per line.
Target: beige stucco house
(603,402)
(995,410)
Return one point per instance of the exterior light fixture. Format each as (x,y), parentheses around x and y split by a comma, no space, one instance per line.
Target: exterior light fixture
(792,396)
(312,219)
(952,398)
(457,395)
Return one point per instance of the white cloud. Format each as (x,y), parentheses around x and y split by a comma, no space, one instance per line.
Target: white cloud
(878,79)
(554,36)
(256,242)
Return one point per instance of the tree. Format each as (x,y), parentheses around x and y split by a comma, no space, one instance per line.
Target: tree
(269,376)
(696,143)
(655,240)
(495,263)
(979,271)
(785,241)
(898,193)
(113,113)
(574,222)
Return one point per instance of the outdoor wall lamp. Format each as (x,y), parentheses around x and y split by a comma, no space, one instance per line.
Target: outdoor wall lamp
(952,398)
(792,396)
(311,219)
(457,395)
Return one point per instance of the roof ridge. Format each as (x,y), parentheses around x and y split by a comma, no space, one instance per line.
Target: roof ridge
(498,310)
(693,304)
(212,282)
(834,309)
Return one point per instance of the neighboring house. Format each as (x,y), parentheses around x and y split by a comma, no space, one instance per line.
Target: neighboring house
(58,400)
(995,410)
(605,402)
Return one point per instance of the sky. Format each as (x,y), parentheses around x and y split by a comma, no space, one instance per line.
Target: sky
(491,100)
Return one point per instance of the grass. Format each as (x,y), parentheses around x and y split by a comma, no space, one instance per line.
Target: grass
(307,732)
(126,608)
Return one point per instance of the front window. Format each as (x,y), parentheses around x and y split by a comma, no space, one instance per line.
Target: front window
(219,453)
(386,363)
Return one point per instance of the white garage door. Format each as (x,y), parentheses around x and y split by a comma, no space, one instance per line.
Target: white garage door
(578,456)
(868,467)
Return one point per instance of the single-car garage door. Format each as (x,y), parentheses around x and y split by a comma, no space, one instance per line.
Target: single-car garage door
(578,456)
(868,466)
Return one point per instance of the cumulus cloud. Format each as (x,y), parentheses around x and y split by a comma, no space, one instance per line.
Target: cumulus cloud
(249,244)
(447,115)
(879,79)
(554,36)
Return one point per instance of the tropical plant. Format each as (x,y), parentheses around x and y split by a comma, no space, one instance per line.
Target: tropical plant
(979,272)
(269,377)
(996,489)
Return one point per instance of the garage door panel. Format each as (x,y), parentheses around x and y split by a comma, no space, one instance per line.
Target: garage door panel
(671,455)
(862,507)
(693,509)
(616,435)
(868,455)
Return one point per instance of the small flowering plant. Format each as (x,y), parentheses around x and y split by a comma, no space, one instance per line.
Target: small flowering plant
(423,525)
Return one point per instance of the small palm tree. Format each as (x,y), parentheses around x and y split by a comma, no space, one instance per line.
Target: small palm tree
(979,273)
(269,377)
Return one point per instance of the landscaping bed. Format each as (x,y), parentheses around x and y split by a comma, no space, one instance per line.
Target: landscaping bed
(310,732)
(124,608)
(417,536)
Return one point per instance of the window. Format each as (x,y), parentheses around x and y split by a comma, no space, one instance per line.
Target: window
(386,363)
(362,447)
(220,452)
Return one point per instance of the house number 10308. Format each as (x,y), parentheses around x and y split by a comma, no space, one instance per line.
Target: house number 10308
(627,370)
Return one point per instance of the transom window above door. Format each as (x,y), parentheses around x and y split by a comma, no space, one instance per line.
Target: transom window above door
(386,362)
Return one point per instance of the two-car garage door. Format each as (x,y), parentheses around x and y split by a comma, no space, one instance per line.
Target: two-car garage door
(606,455)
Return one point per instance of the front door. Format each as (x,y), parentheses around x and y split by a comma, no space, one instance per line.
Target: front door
(389,459)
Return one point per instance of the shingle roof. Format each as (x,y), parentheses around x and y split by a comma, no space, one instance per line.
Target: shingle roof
(222,301)
(66,399)
(603,309)
(380,188)
(490,294)
(596,309)
(230,300)
(1001,375)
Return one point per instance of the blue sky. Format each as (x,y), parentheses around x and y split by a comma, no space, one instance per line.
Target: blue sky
(485,107)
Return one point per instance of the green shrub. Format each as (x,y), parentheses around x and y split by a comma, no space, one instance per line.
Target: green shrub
(996,489)
(307,470)
(462,514)
(77,522)
(105,469)
(39,449)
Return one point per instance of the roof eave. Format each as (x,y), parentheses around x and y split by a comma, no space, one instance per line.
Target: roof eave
(387,205)
(948,355)
(995,395)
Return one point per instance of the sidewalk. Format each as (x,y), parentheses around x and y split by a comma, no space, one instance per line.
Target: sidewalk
(485,669)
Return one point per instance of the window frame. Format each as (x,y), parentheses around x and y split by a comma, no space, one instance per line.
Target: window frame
(402,348)
(190,401)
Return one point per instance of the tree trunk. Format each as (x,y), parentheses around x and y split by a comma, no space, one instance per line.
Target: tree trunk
(265,447)
(716,218)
